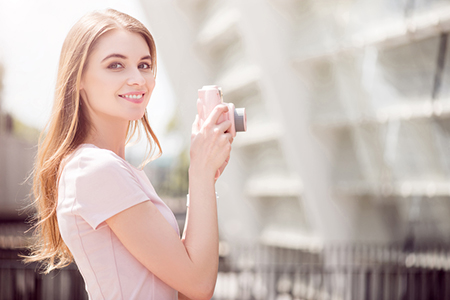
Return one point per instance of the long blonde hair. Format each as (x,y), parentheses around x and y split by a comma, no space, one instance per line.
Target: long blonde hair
(68,128)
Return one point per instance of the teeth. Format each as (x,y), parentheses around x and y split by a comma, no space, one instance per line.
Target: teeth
(133,96)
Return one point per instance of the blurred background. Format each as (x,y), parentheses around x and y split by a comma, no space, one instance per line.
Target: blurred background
(340,187)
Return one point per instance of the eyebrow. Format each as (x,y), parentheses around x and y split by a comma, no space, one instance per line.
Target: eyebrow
(124,57)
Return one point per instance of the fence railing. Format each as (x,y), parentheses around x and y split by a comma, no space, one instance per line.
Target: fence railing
(315,282)
(24,282)
(347,272)
(268,273)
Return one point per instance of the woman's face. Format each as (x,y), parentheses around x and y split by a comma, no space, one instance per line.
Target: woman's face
(118,80)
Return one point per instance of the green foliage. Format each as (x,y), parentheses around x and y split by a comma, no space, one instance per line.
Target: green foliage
(176,183)
(24,131)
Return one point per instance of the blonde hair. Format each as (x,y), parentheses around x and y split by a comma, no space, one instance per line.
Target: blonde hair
(68,128)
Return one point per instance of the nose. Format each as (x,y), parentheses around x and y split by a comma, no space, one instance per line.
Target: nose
(135,78)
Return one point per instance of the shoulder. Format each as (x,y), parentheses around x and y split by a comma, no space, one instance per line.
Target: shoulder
(93,160)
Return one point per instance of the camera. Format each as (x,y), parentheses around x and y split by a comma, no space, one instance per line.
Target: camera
(209,96)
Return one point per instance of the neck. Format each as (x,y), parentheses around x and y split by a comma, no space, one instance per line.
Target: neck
(108,133)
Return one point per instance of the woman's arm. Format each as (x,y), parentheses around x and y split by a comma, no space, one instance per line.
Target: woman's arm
(189,265)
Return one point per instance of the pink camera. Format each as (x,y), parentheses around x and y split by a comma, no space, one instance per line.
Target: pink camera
(211,95)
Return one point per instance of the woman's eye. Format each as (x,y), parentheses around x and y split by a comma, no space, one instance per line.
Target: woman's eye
(144,66)
(115,66)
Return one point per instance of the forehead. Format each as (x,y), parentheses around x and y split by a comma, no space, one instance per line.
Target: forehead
(120,41)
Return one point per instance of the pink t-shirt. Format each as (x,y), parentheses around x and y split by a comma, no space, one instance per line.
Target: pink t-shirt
(96,184)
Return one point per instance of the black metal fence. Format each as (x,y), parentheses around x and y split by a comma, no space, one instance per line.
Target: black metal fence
(261,272)
(19,281)
(341,272)
(317,282)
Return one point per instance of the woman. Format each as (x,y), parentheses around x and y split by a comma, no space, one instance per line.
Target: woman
(97,209)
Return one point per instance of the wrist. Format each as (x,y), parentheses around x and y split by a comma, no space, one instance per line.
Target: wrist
(202,175)
(188,199)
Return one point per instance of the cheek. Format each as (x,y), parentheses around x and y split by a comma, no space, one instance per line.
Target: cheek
(97,86)
(151,83)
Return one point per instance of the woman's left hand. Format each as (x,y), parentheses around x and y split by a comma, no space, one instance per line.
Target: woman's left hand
(222,168)
(196,129)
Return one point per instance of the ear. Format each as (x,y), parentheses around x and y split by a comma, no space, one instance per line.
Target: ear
(82,91)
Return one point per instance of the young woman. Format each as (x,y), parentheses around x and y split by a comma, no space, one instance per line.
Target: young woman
(95,208)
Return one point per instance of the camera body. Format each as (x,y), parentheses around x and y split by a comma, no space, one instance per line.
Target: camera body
(209,96)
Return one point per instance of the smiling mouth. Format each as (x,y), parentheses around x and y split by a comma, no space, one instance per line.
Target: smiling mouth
(132,97)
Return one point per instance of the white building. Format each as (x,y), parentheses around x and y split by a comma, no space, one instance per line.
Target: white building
(347,106)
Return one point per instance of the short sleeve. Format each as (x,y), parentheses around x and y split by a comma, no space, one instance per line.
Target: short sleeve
(105,186)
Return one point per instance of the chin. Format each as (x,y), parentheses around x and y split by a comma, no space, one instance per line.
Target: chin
(136,117)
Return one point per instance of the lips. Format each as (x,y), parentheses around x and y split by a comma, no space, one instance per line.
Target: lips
(135,97)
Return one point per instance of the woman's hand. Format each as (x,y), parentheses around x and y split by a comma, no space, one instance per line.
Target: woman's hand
(211,144)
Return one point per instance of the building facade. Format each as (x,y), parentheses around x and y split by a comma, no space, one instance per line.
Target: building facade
(347,111)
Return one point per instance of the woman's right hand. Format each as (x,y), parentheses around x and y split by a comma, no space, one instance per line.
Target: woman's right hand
(211,143)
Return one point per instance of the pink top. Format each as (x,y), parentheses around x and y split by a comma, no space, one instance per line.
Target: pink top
(95,185)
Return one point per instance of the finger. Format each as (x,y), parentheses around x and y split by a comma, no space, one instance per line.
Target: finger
(224,126)
(196,125)
(218,173)
(229,137)
(224,165)
(216,113)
